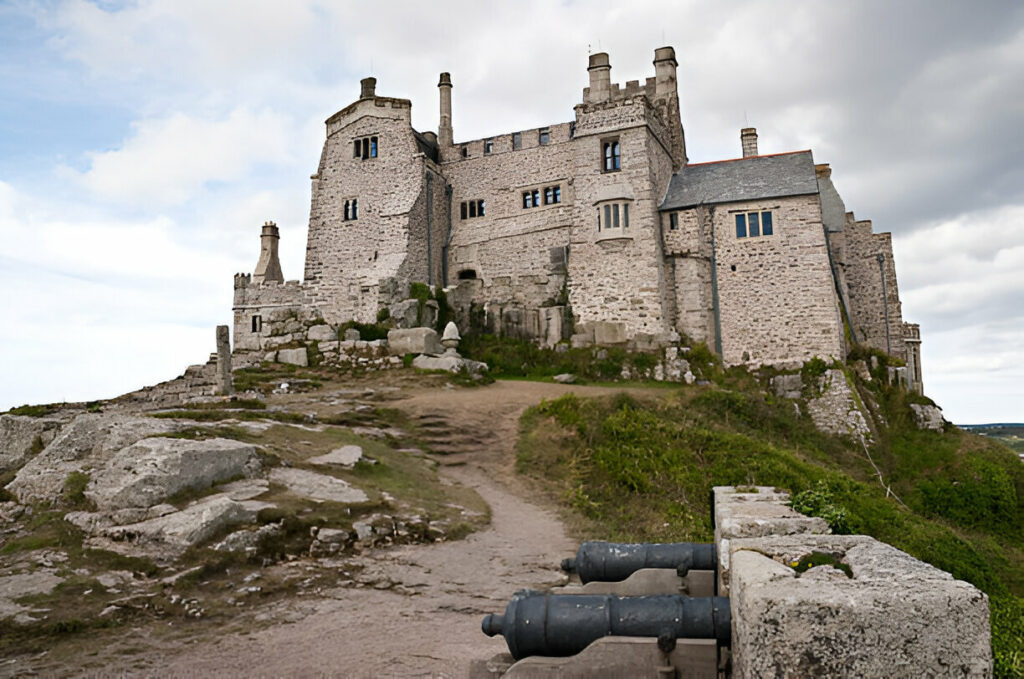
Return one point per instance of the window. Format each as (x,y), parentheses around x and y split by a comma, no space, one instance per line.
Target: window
(613,216)
(257,323)
(610,151)
(465,152)
(364,148)
(673,221)
(351,210)
(517,141)
(544,136)
(488,146)
(531,198)
(754,224)
(470,209)
(552,195)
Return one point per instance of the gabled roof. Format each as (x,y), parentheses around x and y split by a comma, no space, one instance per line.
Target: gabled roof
(728,181)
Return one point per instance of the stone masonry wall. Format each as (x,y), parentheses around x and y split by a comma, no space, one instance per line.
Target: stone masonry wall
(347,260)
(776,297)
(262,300)
(856,252)
(688,251)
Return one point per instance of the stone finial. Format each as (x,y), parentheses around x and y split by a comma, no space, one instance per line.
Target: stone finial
(450,339)
(367,88)
(748,140)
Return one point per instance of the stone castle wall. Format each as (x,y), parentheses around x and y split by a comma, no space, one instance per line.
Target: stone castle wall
(776,297)
(688,252)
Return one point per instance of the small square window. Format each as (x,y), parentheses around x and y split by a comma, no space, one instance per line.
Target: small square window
(472,208)
(488,146)
(464,210)
(741,226)
(544,136)
(517,141)
(257,323)
(465,152)
(527,201)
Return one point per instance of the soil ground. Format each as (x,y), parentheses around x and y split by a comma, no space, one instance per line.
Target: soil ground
(412,611)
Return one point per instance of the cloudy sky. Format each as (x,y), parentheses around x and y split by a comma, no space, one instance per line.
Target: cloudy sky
(142,144)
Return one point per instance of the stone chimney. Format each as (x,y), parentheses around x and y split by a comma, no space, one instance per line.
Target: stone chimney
(445,135)
(367,88)
(664,71)
(600,70)
(268,268)
(748,139)
(822,171)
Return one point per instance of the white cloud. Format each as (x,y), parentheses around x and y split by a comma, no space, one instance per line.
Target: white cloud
(166,161)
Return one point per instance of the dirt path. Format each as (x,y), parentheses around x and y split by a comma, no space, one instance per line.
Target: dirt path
(425,619)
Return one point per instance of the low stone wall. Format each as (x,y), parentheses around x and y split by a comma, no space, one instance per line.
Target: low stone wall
(806,603)
(197,381)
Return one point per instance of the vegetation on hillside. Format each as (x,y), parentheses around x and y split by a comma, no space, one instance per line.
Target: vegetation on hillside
(642,468)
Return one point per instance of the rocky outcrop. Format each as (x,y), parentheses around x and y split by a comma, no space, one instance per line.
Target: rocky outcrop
(836,410)
(147,472)
(317,486)
(927,417)
(85,444)
(21,437)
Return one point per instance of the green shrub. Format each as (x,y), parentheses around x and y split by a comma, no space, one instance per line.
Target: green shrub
(819,501)
(367,331)
(73,492)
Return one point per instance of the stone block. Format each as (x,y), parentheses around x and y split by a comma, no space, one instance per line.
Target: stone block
(321,333)
(607,332)
(293,356)
(788,386)
(403,341)
(352,335)
(927,417)
(895,616)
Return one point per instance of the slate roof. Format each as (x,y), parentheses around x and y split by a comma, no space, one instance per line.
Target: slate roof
(727,181)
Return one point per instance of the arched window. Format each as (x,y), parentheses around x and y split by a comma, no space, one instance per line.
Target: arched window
(611,161)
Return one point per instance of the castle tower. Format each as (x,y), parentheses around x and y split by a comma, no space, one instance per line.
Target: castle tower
(445,136)
(268,268)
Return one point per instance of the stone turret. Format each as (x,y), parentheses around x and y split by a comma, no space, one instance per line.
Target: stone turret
(665,71)
(268,268)
(600,70)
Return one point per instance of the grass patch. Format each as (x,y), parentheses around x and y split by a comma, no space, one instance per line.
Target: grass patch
(36,410)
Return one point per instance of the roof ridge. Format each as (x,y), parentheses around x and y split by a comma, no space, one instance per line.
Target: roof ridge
(733,160)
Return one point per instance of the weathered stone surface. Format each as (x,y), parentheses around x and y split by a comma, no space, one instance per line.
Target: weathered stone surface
(788,386)
(146,472)
(172,534)
(321,333)
(413,341)
(564,378)
(896,616)
(18,434)
(88,441)
(247,541)
(21,585)
(346,456)
(293,356)
(451,363)
(352,335)
(608,332)
(927,417)
(755,512)
(316,486)
(836,411)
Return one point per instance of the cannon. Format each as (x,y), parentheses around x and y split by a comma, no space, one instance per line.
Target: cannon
(537,623)
(611,561)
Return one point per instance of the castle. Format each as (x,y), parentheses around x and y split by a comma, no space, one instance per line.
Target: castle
(596,231)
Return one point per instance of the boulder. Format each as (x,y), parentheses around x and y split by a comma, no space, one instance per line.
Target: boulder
(450,363)
(145,473)
(352,335)
(564,378)
(293,356)
(321,333)
(172,534)
(927,416)
(316,486)
(20,434)
(788,386)
(87,442)
(413,341)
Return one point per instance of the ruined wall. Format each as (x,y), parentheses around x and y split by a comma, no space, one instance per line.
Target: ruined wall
(776,298)
(347,260)
(262,301)
(856,252)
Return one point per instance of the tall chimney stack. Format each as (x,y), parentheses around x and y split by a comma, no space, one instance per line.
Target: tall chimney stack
(600,70)
(748,139)
(445,136)
(664,71)
(268,268)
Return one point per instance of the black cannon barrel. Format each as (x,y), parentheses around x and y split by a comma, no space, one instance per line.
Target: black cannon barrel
(538,623)
(612,561)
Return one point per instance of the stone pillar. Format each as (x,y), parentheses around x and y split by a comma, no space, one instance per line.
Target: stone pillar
(912,340)
(268,268)
(748,140)
(224,383)
(600,70)
(445,135)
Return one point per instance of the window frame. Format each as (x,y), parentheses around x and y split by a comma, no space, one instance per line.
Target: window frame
(517,141)
(544,136)
(762,225)
(611,155)
(613,215)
